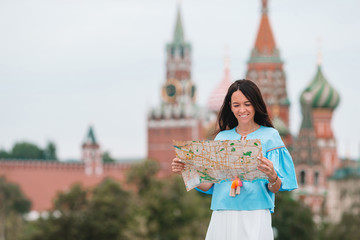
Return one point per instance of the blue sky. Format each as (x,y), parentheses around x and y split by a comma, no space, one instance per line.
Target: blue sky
(67,64)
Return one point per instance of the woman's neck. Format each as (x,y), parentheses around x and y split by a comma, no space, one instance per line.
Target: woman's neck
(246,129)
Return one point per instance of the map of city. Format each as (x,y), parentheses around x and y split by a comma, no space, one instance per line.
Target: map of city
(217,161)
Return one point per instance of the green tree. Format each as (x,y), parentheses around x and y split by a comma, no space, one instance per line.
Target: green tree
(109,211)
(65,221)
(156,209)
(50,151)
(293,220)
(85,215)
(13,204)
(4,154)
(107,158)
(165,210)
(143,175)
(30,151)
(25,150)
(346,229)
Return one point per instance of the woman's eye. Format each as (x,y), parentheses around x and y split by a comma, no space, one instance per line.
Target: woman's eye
(248,105)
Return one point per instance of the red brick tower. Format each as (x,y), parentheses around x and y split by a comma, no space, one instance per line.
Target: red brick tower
(323,102)
(265,68)
(91,154)
(177,117)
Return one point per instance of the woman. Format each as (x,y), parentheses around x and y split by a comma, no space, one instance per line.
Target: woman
(247,216)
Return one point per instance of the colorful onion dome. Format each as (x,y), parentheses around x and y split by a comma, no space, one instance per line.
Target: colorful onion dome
(217,96)
(323,95)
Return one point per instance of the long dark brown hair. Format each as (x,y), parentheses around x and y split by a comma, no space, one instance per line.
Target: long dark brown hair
(226,118)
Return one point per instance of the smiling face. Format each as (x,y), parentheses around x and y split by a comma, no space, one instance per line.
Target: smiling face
(242,109)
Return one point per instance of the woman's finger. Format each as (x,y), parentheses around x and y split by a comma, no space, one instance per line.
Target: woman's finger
(177,160)
(177,165)
(264,169)
(266,162)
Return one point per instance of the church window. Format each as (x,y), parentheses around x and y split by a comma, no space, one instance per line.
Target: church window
(193,89)
(302,177)
(316,178)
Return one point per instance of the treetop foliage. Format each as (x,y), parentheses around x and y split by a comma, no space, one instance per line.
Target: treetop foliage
(30,151)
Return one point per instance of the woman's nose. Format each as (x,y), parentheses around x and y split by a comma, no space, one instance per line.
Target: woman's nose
(242,109)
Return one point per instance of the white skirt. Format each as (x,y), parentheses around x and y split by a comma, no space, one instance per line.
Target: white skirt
(240,225)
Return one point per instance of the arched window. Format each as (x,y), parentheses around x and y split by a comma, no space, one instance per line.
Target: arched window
(302,177)
(316,178)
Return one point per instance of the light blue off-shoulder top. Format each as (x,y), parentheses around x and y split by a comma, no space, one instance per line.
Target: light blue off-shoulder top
(256,195)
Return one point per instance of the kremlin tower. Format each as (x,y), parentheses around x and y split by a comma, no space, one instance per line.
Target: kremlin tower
(177,117)
(92,156)
(265,68)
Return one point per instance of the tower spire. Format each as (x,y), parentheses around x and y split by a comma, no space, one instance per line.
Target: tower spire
(264,7)
(319,55)
(90,137)
(179,31)
(226,63)
(265,43)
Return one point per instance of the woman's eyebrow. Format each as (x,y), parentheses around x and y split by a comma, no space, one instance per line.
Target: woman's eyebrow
(239,103)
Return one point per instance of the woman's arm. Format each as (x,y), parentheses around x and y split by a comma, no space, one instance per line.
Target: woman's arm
(266,166)
(274,185)
(205,186)
(177,166)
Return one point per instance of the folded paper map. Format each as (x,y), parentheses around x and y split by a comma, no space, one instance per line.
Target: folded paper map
(217,161)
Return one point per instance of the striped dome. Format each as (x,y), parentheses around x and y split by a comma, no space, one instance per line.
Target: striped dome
(323,95)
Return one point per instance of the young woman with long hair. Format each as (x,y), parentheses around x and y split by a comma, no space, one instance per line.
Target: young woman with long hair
(247,215)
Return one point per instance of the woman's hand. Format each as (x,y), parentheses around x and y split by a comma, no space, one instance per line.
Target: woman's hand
(177,166)
(267,167)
